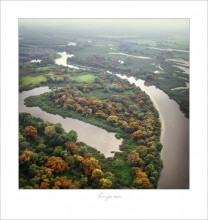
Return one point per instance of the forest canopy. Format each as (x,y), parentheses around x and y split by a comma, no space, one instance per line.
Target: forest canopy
(50,158)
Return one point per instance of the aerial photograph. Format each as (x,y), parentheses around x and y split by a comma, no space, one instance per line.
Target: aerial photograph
(103,103)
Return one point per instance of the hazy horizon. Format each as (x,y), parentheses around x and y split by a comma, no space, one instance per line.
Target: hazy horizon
(113,26)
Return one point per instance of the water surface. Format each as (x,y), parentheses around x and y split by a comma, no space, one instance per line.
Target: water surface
(63,60)
(128,55)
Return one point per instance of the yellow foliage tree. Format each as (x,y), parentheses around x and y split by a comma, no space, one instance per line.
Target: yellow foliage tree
(31,131)
(105,183)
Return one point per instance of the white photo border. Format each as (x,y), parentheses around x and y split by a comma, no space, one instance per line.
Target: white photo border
(86,204)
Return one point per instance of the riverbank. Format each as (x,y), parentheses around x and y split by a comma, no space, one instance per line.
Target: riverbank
(174,138)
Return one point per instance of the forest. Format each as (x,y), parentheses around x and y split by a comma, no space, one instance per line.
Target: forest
(108,102)
(50,158)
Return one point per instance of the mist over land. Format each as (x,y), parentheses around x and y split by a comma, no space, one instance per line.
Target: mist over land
(122,27)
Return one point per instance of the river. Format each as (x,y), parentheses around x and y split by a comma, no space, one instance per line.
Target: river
(96,137)
(63,60)
(169,49)
(128,55)
(174,137)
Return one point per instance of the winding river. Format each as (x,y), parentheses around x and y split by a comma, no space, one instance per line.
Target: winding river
(96,137)
(174,136)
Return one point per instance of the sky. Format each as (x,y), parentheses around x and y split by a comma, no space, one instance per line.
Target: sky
(113,25)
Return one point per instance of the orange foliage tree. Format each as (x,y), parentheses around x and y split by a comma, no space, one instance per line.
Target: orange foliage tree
(56,164)
(139,135)
(45,184)
(31,131)
(63,183)
(141,180)
(133,158)
(71,146)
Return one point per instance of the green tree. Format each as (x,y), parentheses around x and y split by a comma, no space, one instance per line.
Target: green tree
(133,108)
(73,135)
(119,162)
(82,150)
(59,129)
(41,147)
(57,151)
(149,158)
(150,168)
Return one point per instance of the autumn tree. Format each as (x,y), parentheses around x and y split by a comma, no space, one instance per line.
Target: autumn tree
(69,102)
(28,156)
(42,178)
(64,183)
(105,183)
(89,164)
(113,119)
(31,131)
(101,114)
(97,174)
(50,131)
(139,135)
(45,184)
(56,164)
(141,180)
(71,146)
(133,158)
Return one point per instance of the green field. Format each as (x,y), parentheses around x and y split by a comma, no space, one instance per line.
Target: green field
(83,78)
(51,75)
(32,80)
